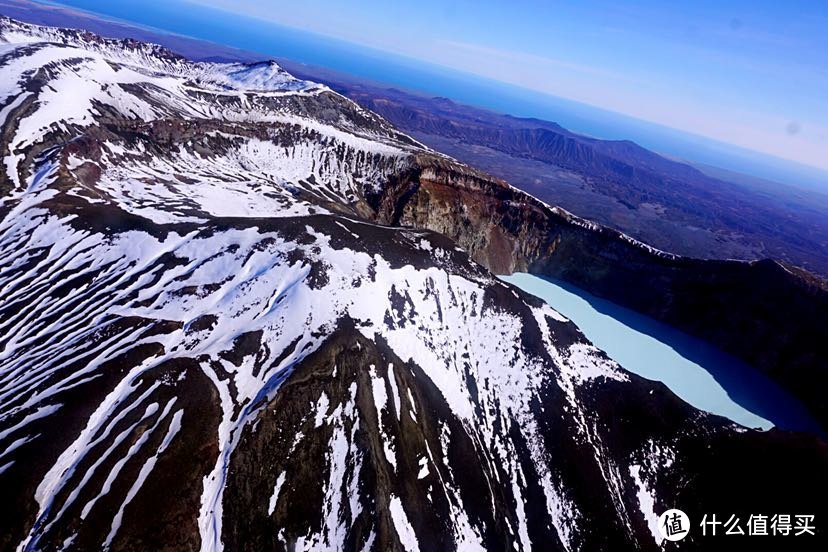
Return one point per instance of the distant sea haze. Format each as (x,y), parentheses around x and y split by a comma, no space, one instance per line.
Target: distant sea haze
(256,35)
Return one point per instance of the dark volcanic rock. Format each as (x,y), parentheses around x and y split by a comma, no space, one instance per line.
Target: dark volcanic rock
(664,202)
(763,312)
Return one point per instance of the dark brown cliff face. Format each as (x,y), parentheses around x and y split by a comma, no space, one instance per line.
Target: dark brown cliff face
(663,202)
(762,312)
(500,227)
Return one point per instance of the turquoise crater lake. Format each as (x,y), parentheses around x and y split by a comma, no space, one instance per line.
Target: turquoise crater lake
(697,372)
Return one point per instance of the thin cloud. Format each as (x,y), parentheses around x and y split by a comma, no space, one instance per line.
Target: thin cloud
(534,60)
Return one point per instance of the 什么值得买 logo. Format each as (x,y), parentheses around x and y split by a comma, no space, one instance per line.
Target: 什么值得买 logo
(673,525)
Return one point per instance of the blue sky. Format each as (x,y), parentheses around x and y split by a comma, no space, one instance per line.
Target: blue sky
(749,73)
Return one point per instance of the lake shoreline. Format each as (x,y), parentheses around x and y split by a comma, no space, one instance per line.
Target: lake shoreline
(695,371)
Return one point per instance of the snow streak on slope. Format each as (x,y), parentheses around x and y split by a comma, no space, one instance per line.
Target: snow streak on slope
(289,148)
(244,281)
(264,77)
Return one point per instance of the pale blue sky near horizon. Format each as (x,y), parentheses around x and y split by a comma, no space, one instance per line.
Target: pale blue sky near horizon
(753,74)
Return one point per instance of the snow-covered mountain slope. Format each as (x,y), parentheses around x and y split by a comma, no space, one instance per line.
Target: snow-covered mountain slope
(206,342)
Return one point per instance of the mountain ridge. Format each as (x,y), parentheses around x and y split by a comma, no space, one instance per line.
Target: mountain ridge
(667,203)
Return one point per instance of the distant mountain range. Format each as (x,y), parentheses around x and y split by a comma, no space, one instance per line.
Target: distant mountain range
(669,204)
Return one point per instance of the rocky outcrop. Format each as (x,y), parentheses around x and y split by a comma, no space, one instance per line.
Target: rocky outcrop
(663,202)
(763,312)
